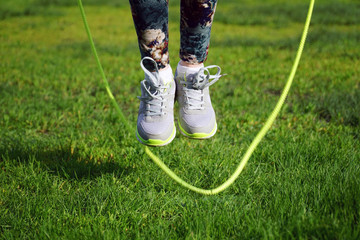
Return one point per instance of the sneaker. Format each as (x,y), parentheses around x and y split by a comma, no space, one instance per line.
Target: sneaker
(155,124)
(196,115)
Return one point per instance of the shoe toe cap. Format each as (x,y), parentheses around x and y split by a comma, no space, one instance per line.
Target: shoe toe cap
(155,130)
(198,123)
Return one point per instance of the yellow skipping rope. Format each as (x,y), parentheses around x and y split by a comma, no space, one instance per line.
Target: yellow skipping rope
(253,144)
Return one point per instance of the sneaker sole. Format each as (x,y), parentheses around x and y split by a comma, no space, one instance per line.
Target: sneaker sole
(197,135)
(156,142)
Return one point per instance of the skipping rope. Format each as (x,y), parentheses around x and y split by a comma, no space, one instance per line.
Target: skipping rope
(253,144)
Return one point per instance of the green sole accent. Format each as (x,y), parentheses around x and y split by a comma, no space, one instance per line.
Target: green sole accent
(156,142)
(198,135)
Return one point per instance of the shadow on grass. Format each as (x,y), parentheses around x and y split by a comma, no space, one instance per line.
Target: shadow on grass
(16,8)
(339,107)
(63,161)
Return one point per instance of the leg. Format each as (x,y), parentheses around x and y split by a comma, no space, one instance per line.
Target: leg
(155,124)
(196,115)
(195,28)
(151,24)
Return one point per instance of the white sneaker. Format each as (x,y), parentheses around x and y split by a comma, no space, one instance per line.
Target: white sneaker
(196,114)
(155,124)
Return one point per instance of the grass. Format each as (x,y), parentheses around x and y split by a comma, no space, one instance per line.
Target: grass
(68,169)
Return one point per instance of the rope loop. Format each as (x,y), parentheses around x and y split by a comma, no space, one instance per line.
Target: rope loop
(253,144)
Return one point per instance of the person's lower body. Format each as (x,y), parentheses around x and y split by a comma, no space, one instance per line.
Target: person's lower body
(196,115)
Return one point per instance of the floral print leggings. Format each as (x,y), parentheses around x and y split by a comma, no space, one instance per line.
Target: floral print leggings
(151,24)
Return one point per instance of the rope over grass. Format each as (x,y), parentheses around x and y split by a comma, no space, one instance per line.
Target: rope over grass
(253,144)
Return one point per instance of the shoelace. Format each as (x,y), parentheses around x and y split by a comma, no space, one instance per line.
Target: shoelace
(155,91)
(195,85)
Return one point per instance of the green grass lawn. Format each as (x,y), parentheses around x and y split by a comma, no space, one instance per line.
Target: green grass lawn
(69,169)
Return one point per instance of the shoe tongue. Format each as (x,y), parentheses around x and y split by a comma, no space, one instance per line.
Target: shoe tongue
(190,79)
(198,80)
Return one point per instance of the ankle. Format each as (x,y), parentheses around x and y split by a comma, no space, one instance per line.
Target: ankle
(181,69)
(166,68)
(191,65)
(166,74)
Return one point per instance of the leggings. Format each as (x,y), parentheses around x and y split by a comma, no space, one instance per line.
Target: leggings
(151,24)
